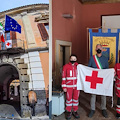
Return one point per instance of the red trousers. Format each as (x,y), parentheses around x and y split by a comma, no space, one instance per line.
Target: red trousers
(72,96)
(117,88)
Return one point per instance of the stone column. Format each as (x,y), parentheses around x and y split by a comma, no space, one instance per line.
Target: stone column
(31,43)
(15,90)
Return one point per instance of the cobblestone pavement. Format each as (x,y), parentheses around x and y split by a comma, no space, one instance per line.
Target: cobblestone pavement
(33,118)
(12,112)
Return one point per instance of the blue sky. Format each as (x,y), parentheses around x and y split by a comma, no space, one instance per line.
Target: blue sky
(9,4)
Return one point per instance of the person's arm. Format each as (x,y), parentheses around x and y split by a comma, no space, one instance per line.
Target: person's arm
(90,62)
(115,68)
(35,98)
(107,64)
(64,79)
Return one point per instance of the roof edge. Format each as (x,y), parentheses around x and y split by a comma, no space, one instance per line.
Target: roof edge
(23,7)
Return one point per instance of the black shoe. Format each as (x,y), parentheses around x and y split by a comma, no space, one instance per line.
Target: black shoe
(117,115)
(104,113)
(91,113)
(69,115)
(75,114)
(33,114)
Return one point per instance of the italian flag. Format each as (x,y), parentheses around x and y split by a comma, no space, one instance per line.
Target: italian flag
(2,32)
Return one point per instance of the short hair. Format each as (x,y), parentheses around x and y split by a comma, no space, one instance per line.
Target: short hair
(73,55)
(98,44)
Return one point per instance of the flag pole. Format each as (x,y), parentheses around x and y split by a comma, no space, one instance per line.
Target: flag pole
(88,40)
(4,29)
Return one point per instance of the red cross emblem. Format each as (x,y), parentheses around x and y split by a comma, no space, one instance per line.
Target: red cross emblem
(8,44)
(94,79)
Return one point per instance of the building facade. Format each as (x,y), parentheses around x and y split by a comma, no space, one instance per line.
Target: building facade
(28,59)
(70,22)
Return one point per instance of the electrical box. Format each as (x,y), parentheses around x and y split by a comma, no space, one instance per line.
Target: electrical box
(58,103)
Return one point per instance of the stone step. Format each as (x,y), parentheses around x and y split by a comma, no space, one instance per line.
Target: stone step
(19,61)
(23,71)
(25,78)
(21,66)
(24,100)
(8,111)
(24,93)
(24,85)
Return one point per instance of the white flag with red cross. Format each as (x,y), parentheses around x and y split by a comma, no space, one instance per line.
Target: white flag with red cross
(8,43)
(95,81)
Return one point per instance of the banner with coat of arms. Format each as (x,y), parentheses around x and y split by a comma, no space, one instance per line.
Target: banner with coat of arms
(109,42)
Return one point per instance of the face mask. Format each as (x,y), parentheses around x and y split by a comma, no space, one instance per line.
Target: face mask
(72,62)
(99,51)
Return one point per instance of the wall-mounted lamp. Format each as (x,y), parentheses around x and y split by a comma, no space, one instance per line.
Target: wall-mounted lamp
(69,16)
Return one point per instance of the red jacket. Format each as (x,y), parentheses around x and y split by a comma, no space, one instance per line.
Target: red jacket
(117,70)
(117,82)
(69,75)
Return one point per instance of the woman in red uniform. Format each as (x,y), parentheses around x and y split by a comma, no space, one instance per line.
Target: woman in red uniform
(117,88)
(69,85)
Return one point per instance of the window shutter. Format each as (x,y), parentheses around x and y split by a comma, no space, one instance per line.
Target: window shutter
(7,35)
(12,35)
(43,31)
(13,38)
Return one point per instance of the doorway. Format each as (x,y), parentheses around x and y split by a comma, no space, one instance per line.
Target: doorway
(9,90)
(63,52)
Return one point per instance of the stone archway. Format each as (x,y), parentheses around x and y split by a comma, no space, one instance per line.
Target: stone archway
(17,68)
(31,76)
(8,73)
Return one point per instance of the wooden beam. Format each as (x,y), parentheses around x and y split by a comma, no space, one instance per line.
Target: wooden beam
(81,1)
(98,1)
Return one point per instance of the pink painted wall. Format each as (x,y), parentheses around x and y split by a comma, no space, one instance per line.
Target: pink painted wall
(75,30)
(66,29)
(91,17)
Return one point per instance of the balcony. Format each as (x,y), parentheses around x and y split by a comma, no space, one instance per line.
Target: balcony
(16,47)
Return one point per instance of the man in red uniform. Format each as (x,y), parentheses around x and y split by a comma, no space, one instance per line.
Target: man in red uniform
(69,85)
(117,88)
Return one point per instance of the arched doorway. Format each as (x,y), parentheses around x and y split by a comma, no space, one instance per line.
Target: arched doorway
(9,90)
(14,90)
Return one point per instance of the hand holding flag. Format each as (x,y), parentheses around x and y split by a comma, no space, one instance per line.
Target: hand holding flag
(95,81)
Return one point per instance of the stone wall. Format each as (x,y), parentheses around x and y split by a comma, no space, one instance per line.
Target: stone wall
(36,83)
(31,76)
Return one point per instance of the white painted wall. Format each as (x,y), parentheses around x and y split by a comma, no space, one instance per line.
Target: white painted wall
(112,22)
(34,71)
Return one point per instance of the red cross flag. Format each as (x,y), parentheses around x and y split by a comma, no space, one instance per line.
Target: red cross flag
(8,43)
(95,81)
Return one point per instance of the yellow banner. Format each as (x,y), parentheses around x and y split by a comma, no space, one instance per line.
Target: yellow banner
(109,48)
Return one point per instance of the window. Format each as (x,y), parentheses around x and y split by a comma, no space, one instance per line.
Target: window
(7,36)
(11,35)
(47,27)
(44,31)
